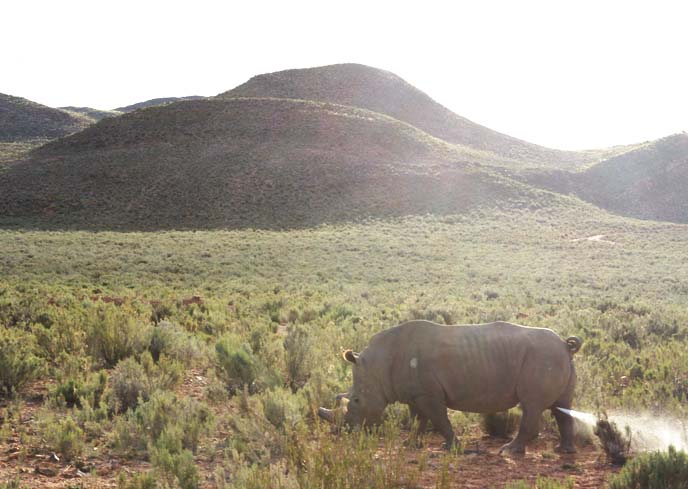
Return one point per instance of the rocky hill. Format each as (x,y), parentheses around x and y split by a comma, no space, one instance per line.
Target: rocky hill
(94,114)
(648,182)
(267,163)
(306,147)
(154,102)
(385,93)
(22,120)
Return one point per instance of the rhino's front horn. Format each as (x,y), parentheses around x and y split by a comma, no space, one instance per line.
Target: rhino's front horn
(326,414)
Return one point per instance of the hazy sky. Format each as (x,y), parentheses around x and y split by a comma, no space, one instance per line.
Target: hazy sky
(569,75)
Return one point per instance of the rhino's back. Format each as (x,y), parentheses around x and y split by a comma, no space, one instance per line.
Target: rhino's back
(478,367)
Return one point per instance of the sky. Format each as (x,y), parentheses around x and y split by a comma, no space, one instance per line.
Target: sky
(564,74)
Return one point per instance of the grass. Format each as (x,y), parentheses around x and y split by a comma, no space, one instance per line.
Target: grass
(275,295)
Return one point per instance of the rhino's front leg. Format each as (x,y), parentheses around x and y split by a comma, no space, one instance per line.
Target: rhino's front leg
(415,438)
(436,411)
(422,420)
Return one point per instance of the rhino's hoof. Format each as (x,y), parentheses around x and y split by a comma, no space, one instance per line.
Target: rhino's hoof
(413,442)
(451,447)
(510,449)
(565,449)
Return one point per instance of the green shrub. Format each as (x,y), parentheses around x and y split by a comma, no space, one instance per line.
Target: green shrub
(282,408)
(656,470)
(65,335)
(216,391)
(132,381)
(84,392)
(164,375)
(69,393)
(128,384)
(173,464)
(65,437)
(142,480)
(237,364)
(13,484)
(114,334)
(18,364)
(503,424)
(297,346)
(541,483)
(174,342)
(163,411)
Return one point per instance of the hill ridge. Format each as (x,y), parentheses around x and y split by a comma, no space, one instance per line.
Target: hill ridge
(384,92)
(647,182)
(22,119)
(260,163)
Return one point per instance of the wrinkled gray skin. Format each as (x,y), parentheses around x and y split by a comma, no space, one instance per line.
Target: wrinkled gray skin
(477,368)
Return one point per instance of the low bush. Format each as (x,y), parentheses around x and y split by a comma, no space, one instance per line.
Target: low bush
(298,357)
(142,480)
(114,334)
(65,437)
(12,484)
(502,425)
(173,464)
(173,341)
(541,483)
(282,408)
(128,384)
(237,364)
(76,393)
(18,363)
(657,470)
(132,381)
(138,429)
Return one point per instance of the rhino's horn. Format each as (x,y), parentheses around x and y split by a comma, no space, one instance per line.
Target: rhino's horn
(343,395)
(326,414)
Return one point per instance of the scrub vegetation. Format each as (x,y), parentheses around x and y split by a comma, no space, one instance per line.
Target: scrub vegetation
(177,285)
(199,359)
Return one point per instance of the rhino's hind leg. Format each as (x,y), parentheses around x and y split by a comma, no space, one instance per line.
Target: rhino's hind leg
(565,423)
(527,431)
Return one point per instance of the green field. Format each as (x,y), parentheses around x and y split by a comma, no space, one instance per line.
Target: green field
(262,316)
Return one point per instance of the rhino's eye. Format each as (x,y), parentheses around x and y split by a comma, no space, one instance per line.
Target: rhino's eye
(356,400)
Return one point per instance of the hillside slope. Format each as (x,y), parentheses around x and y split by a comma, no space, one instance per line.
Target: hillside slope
(648,183)
(381,91)
(155,102)
(94,114)
(22,120)
(264,163)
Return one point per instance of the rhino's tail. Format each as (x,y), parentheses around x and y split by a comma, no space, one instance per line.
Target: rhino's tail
(574,343)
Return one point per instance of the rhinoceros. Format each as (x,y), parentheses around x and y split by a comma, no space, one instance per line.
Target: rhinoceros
(482,368)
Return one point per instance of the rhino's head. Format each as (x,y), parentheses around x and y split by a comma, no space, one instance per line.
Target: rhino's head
(366,401)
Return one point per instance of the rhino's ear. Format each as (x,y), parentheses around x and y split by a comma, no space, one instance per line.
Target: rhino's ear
(350,356)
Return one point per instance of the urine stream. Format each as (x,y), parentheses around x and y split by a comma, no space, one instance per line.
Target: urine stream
(647,432)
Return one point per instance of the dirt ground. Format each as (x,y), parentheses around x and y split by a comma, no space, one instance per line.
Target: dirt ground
(482,470)
(487,469)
